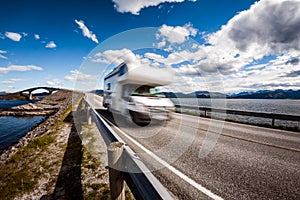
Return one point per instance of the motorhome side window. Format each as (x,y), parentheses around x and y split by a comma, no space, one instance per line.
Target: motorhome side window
(108,86)
(122,70)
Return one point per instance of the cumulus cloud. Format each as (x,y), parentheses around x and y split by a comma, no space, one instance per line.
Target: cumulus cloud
(80,76)
(175,35)
(86,32)
(268,27)
(135,6)
(116,56)
(50,45)
(13,36)
(20,68)
(2,56)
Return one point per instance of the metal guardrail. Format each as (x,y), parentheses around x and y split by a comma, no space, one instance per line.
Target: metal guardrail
(143,185)
(272,116)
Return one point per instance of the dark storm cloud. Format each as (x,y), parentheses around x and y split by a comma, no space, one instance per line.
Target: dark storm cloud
(275,24)
(292,74)
(293,61)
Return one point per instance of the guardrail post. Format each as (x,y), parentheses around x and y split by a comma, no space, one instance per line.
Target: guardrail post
(116,177)
(88,115)
(273,122)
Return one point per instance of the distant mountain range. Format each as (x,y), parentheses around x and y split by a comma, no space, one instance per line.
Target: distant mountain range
(261,94)
(268,94)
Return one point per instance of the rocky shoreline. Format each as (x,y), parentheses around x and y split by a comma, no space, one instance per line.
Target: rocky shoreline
(52,107)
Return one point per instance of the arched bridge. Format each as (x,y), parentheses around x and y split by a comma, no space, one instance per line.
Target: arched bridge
(28,92)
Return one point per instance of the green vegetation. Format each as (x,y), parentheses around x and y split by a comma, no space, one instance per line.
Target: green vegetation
(22,171)
(57,165)
(41,143)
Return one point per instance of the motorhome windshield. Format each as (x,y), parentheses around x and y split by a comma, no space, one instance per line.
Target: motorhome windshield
(139,90)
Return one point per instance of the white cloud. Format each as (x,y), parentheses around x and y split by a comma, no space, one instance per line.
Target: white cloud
(79,76)
(278,73)
(268,27)
(37,36)
(13,36)
(187,70)
(116,56)
(50,45)
(86,32)
(2,56)
(12,81)
(175,35)
(3,52)
(171,59)
(156,57)
(135,6)
(20,68)
(10,87)
(54,82)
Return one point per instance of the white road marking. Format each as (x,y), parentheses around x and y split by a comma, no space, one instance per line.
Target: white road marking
(171,168)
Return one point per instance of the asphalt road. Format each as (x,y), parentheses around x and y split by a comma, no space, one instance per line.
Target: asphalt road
(246,162)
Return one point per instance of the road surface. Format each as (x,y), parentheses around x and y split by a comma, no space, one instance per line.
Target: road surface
(247,162)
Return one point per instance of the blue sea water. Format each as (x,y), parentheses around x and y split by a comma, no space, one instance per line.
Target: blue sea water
(12,103)
(280,106)
(14,128)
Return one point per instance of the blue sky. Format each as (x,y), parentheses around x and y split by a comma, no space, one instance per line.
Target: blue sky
(228,45)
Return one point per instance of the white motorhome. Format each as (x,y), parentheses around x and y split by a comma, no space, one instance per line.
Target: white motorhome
(131,91)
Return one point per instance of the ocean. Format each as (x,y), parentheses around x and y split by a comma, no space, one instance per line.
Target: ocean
(14,128)
(282,106)
(12,103)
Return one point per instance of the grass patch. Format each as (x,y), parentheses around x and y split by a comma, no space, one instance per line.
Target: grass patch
(41,142)
(19,181)
(21,172)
